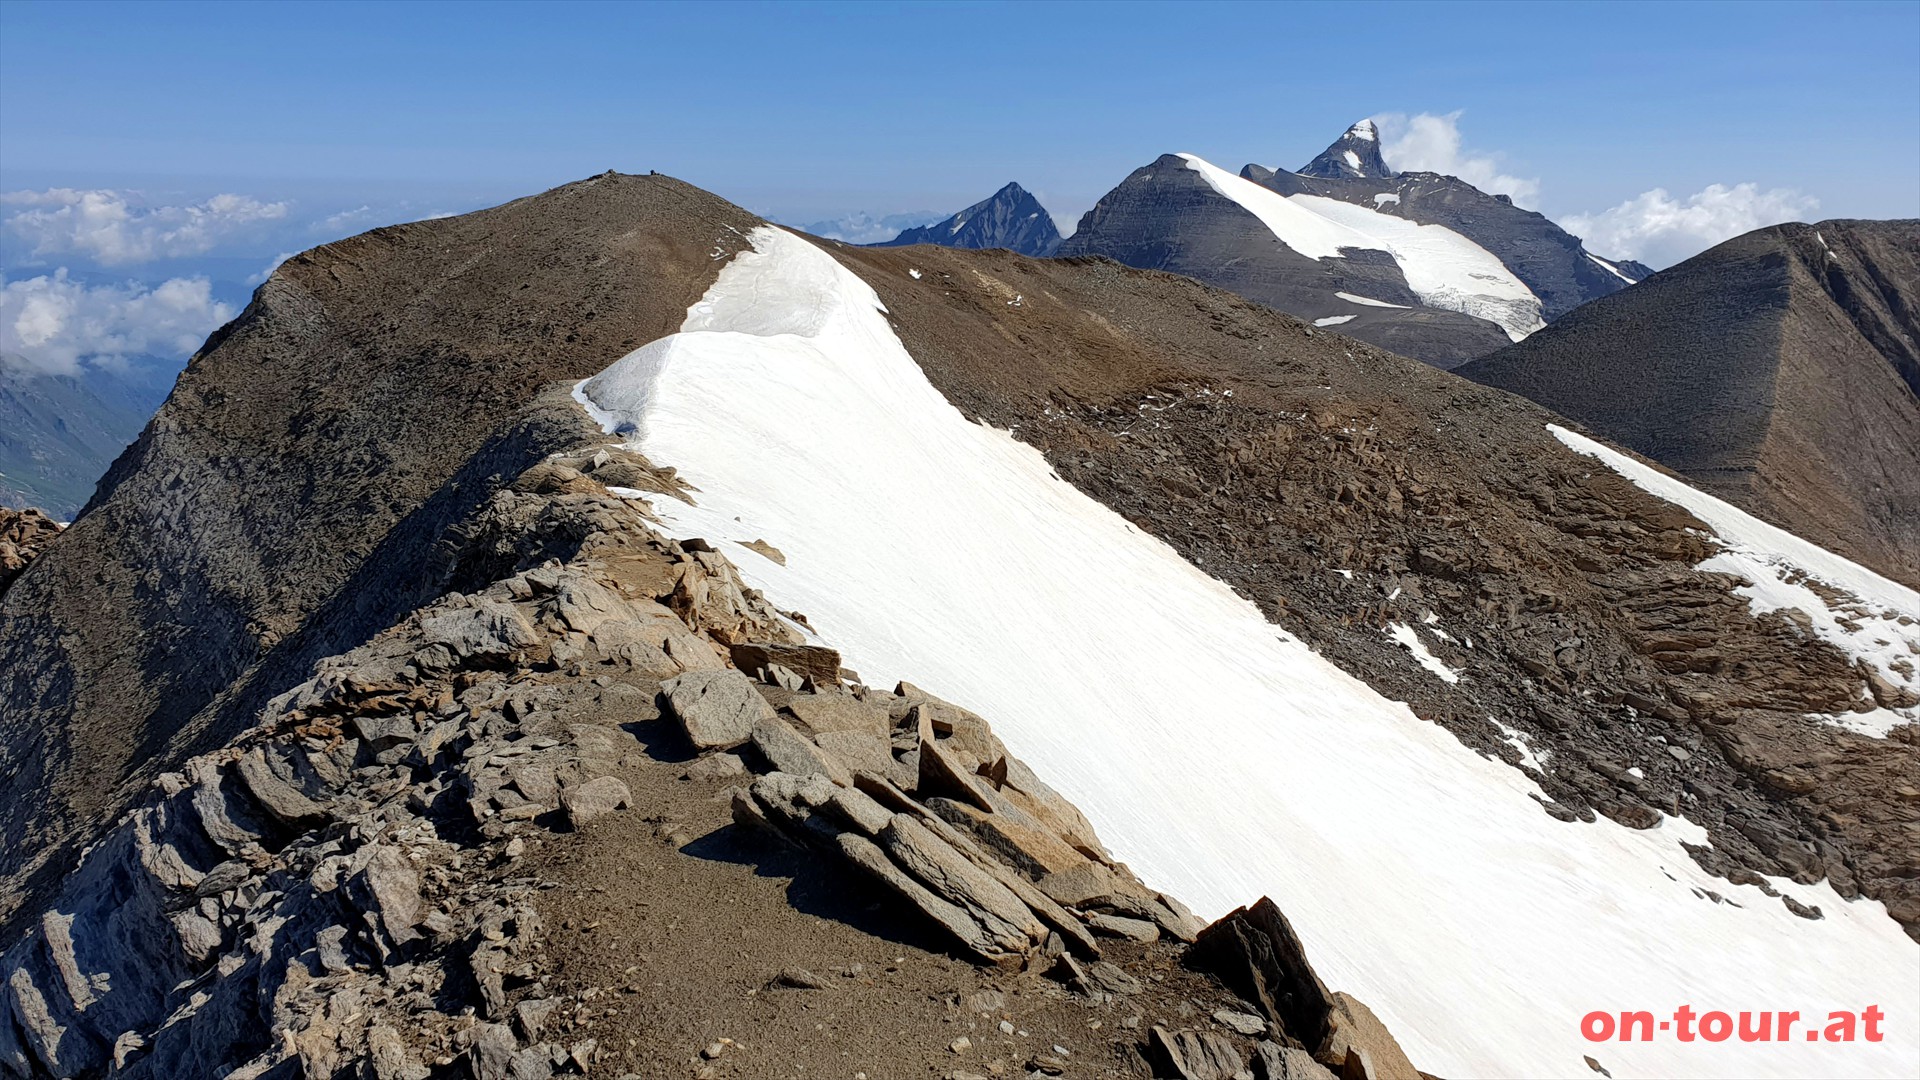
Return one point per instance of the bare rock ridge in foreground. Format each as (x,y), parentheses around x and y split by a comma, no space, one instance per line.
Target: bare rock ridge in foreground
(344,889)
(1779,371)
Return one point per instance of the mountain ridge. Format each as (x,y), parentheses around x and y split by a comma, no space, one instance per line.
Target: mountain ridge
(1780,370)
(1376,525)
(1464,258)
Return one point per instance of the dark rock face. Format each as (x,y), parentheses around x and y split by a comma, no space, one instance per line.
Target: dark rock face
(1779,371)
(1010,218)
(1166,216)
(1354,155)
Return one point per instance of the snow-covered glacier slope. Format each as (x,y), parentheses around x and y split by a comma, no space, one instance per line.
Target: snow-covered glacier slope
(1443,268)
(1870,618)
(1221,758)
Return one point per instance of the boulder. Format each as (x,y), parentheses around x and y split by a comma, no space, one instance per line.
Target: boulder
(584,604)
(859,751)
(1012,835)
(1122,927)
(1272,1061)
(717,767)
(840,712)
(392,887)
(490,630)
(964,927)
(789,751)
(281,800)
(1007,923)
(1195,1055)
(818,665)
(594,799)
(1257,954)
(716,709)
(1358,1039)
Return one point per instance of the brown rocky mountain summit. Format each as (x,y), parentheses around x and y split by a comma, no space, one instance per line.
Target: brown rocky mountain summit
(406,746)
(1779,371)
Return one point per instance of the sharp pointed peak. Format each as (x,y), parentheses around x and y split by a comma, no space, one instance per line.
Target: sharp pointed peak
(1355,154)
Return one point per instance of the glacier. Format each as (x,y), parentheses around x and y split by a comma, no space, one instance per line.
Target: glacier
(1443,268)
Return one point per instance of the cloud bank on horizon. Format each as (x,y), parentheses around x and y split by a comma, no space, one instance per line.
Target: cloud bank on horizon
(1658,229)
(112,229)
(1429,142)
(1653,227)
(54,325)
(64,320)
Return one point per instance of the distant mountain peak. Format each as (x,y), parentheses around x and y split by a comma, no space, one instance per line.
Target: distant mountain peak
(1010,218)
(1354,154)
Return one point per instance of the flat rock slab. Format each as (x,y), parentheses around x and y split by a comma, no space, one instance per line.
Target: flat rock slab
(718,710)
(818,665)
(595,799)
(840,712)
(788,751)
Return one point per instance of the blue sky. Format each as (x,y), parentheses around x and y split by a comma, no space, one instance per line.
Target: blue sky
(807,112)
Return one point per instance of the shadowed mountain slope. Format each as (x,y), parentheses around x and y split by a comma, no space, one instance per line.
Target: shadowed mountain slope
(1779,370)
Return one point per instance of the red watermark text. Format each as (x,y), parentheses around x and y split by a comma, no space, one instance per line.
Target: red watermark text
(1686,1025)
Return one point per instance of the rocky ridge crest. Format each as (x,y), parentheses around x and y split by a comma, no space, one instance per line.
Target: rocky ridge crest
(339,892)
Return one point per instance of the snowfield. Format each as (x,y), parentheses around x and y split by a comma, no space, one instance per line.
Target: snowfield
(1218,756)
(1861,613)
(1443,268)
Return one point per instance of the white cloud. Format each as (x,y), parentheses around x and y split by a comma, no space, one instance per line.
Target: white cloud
(1659,230)
(113,230)
(255,279)
(1425,142)
(52,323)
(336,222)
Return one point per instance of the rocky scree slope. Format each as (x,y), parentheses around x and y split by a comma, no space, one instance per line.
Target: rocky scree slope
(1010,218)
(389,876)
(1347,492)
(1779,371)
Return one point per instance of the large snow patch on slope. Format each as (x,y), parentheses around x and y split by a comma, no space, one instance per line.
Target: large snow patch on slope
(1443,268)
(1221,758)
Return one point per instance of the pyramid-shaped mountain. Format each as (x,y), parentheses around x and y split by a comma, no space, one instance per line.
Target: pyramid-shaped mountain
(1010,218)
